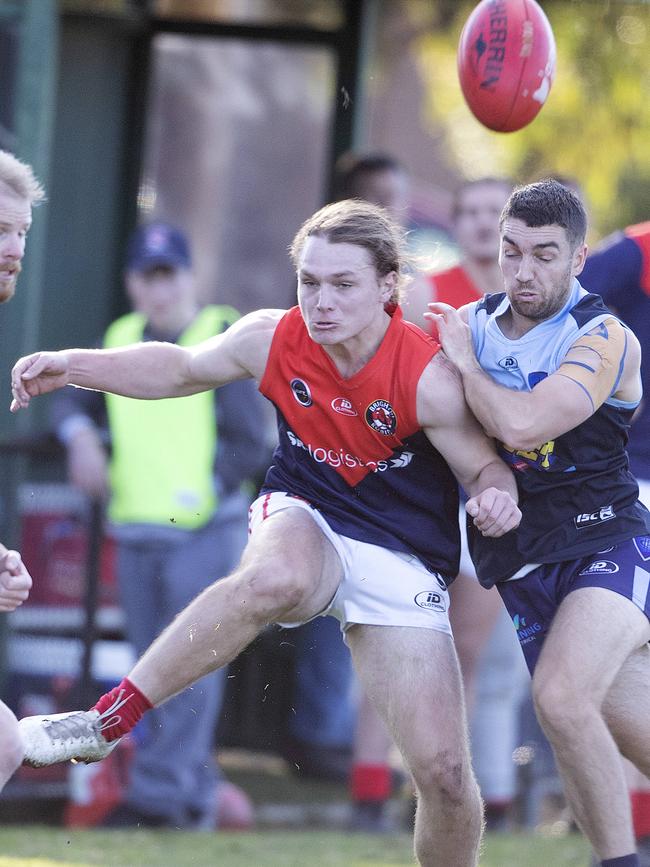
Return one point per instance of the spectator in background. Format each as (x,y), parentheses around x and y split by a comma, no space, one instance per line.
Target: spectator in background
(483,633)
(176,508)
(19,192)
(619,270)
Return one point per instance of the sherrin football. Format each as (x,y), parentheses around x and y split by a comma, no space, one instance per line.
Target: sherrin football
(506,62)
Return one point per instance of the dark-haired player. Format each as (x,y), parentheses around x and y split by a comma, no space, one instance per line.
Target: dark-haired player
(554,377)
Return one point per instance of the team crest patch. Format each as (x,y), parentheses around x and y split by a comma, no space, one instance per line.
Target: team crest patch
(381,417)
(642,545)
(301,392)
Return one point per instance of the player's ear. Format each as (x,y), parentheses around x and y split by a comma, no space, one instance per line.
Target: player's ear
(389,286)
(579,258)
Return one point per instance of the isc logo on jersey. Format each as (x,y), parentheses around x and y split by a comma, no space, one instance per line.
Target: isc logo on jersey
(381,417)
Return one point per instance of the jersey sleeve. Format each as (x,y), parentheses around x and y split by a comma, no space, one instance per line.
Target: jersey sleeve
(595,361)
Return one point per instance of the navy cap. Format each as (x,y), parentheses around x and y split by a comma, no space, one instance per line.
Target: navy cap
(157,245)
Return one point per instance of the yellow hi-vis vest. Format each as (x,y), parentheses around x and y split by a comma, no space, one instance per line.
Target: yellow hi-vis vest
(162,465)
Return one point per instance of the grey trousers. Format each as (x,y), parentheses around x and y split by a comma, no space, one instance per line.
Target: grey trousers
(174,773)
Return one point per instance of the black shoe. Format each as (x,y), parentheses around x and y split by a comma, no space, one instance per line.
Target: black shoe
(125,816)
(319,763)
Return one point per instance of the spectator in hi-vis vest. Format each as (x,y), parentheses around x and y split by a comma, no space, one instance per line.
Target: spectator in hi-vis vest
(172,473)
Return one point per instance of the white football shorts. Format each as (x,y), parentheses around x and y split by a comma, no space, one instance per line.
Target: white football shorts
(379,587)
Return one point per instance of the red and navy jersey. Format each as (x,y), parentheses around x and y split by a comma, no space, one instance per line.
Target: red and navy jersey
(353,447)
(453,286)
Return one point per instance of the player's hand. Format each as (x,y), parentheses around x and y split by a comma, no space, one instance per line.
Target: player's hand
(454,335)
(494,512)
(37,374)
(15,580)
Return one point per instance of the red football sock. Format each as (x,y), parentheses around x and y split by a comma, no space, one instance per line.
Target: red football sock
(123,706)
(641,813)
(370,783)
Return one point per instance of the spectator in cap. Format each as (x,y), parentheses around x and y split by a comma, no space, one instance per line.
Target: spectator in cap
(173,474)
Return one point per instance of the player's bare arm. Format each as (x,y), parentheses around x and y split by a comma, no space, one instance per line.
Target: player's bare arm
(602,363)
(151,370)
(456,434)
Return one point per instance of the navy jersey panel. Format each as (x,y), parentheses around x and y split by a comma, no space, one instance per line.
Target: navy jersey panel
(354,448)
(619,270)
(576,492)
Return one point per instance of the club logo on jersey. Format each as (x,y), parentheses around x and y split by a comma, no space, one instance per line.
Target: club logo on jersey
(600,567)
(431,600)
(590,519)
(508,363)
(642,545)
(343,406)
(381,417)
(301,392)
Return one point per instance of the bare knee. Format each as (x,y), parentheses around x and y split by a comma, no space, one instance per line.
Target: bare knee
(446,777)
(269,593)
(561,708)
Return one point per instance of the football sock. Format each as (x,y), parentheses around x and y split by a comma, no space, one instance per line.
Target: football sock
(121,709)
(641,813)
(370,783)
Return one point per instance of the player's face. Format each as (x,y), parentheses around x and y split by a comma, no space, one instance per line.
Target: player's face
(538,266)
(15,220)
(477,221)
(389,189)
(164,295)
(339,292)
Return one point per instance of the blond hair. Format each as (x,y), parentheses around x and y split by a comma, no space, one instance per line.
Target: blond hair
(353,221)
(20,178)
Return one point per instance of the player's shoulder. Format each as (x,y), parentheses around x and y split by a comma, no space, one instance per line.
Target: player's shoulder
(258,323)
(440,394)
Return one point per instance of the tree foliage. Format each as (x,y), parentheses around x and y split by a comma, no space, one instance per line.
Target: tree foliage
(595,126)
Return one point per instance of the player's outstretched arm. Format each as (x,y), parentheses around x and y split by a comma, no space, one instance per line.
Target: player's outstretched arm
(599,364)
(453,430)
(150,370)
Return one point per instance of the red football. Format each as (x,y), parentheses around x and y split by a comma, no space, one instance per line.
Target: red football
(506,62)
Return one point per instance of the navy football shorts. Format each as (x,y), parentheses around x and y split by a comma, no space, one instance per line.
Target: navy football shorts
(533,600)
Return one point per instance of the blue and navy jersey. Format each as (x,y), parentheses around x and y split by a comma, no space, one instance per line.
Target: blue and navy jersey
(353,447)
(576,492)
(619,270)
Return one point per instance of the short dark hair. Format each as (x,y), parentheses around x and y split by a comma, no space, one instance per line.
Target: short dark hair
(351,167)
(487,181)
(548,203)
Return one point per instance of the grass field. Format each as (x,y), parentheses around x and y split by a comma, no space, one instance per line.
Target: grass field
(33,846)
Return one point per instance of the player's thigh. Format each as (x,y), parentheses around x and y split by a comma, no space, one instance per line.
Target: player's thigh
(412,676)
(288,548)
(473,614)
(626,707)
(593,633)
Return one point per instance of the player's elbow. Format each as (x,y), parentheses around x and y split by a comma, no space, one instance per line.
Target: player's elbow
(521,434)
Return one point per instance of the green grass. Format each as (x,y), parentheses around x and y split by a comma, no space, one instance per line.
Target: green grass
(34,846)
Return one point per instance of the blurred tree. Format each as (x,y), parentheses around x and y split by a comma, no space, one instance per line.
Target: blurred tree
(595,126)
